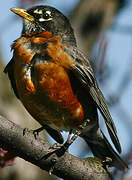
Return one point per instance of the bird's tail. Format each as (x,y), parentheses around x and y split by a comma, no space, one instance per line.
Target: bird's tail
(102,149)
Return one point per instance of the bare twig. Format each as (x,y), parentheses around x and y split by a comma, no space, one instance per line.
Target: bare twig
(38,152)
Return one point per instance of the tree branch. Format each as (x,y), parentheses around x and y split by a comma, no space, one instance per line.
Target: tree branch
(38,152)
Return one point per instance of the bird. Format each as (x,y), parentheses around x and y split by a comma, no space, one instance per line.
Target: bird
(56,84)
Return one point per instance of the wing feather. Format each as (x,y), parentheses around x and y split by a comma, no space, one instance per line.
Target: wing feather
(9,69)
(84,75)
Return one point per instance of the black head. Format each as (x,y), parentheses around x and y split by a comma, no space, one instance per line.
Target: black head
(46,18)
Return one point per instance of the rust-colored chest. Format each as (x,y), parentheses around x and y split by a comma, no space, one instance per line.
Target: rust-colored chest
(41,74)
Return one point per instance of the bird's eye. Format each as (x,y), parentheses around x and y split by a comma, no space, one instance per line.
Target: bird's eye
(46,16)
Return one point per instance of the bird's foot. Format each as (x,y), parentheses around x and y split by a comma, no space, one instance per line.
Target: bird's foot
(37,131)
(56,146)
(77,132)
(64,147)
(25,130)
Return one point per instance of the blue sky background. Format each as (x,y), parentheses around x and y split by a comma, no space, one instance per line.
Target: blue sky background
(119,55)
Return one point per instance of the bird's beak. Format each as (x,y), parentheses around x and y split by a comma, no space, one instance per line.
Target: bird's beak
(23,13)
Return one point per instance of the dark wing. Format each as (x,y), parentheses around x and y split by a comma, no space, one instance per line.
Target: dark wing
(9,69)
(85,77)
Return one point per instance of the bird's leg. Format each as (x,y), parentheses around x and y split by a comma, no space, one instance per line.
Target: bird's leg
(25,131)
(37,131)
(69,135)
(70,139)
(58,145)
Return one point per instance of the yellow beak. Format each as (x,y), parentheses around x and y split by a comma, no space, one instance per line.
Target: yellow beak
(23,13)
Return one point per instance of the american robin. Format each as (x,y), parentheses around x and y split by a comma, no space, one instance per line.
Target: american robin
(56,84)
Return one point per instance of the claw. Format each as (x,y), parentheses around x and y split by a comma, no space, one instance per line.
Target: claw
(56,146)
(53,161)
(37,131)
(25,130)
(70,139)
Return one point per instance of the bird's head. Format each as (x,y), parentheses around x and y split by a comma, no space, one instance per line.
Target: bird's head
(46,18)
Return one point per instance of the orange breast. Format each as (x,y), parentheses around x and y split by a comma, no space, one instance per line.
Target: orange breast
(54,80)
(49,97)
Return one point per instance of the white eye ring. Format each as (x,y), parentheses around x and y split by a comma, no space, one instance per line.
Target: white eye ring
(42,19)
(45,19)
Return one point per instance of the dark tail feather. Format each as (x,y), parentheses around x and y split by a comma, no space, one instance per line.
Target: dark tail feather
(102,149)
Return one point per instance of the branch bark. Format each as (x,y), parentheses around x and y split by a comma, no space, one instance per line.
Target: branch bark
(38,152)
